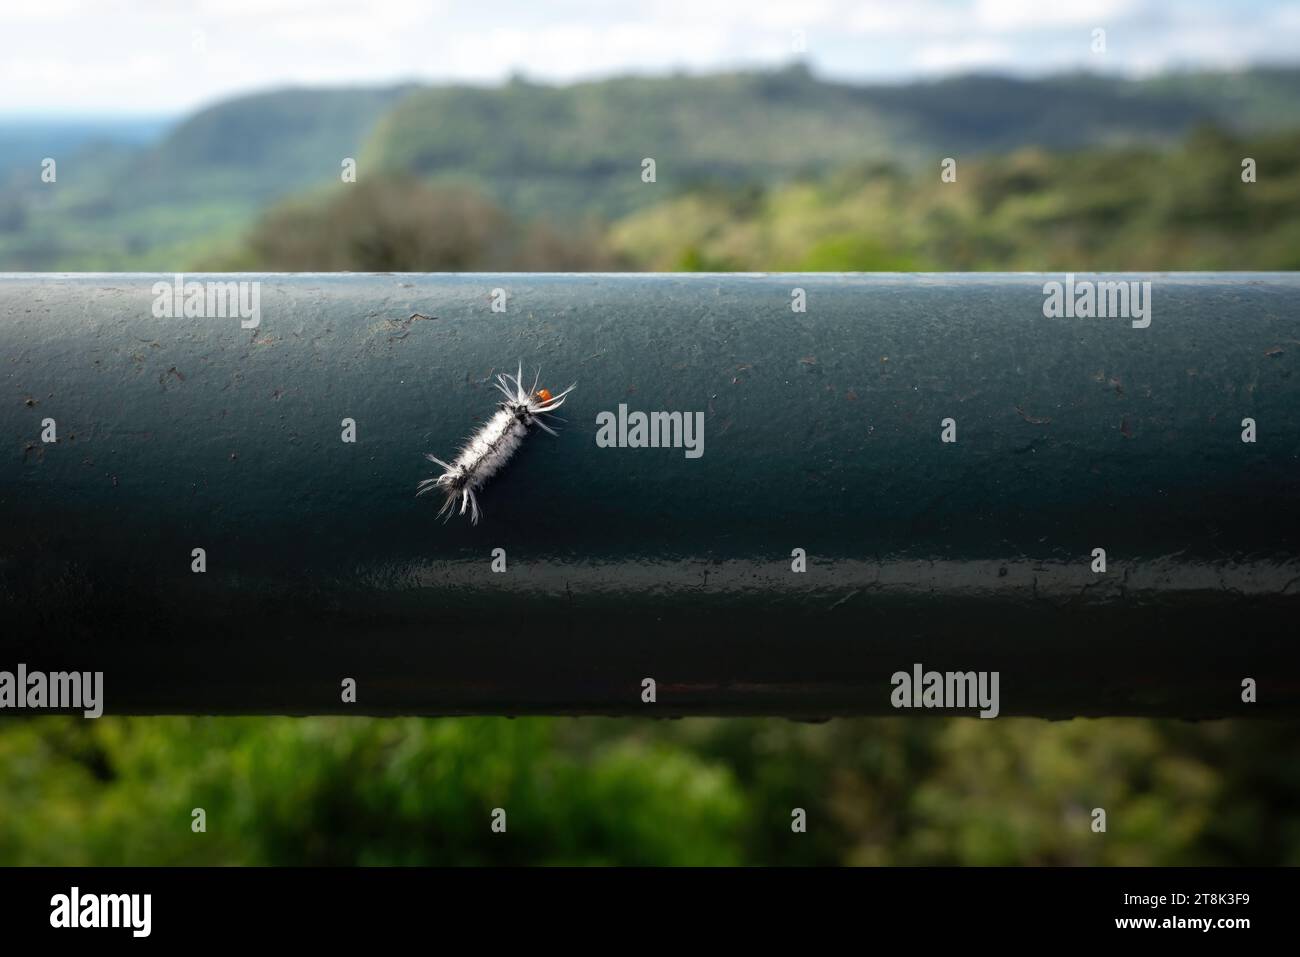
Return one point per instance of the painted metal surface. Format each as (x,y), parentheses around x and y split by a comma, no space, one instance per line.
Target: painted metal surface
(822,432)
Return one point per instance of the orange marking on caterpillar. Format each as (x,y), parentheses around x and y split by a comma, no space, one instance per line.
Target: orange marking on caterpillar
(488,450)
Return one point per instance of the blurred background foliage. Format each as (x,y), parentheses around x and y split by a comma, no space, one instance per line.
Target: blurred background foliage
(764,171)
(608,791)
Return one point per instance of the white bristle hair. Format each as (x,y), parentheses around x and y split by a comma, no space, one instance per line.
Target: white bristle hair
(488,450)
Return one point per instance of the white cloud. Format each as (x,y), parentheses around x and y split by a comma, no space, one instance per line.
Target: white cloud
(923,18)
(1025,15)
(967,55)
(140,56)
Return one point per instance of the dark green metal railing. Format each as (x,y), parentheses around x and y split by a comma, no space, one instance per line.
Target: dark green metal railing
(822,433)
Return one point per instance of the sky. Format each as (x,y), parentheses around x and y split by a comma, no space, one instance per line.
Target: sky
(165,57)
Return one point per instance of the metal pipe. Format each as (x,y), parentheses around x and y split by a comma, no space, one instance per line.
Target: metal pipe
(823,430)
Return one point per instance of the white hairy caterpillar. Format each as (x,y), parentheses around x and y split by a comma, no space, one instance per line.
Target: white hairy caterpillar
(488,450)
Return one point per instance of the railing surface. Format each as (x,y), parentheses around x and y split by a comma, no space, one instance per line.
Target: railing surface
(823,431)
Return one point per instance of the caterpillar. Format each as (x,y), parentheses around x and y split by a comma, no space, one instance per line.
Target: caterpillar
(488,450)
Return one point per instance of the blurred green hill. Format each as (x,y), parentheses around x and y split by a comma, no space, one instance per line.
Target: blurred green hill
(1135,207)
(577,149)
(1128,208)
(115,207)
(568,154)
